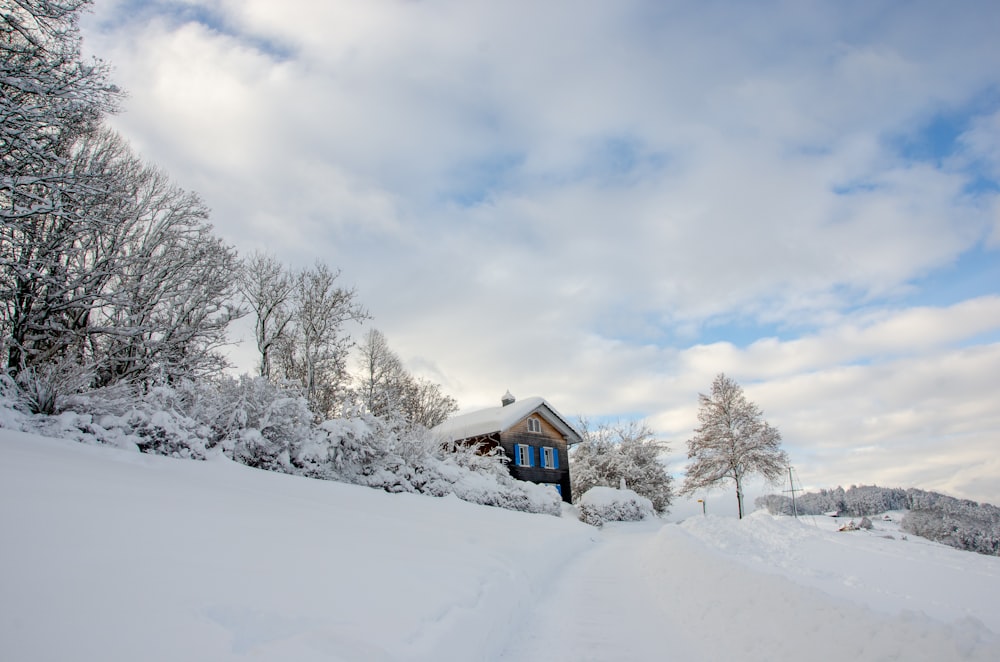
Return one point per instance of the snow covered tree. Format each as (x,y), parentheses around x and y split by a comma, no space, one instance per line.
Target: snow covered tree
(957,522)
(167,294)
(49,98)
(626,451)
(732,442)
(267,287)
(386,388)
(315,353)
(133,286)
(108,272)
(382,378)
(424,403)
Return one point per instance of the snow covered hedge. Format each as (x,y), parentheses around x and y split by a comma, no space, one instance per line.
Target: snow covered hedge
(263,425)
(607,504)
(384,453)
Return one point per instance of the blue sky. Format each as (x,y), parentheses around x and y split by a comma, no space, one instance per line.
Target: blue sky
(608,203)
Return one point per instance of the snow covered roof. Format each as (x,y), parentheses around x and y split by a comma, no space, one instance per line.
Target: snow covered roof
(500,419)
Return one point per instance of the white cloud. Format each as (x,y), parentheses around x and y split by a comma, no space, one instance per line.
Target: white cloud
(559,198)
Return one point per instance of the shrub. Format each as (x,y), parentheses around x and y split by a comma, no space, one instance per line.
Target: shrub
(606,504)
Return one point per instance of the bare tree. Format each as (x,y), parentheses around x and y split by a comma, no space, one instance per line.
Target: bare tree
(170,293)
(267,287)
(315,354)
(382,377)
(385,387)
(732,442)
(424,403)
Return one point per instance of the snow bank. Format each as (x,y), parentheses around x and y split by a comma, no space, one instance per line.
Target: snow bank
(877,569)
(118,556)
(760,589)
(653,591)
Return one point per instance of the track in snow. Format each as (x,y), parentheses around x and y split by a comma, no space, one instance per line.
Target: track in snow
(603,607)
(652,592)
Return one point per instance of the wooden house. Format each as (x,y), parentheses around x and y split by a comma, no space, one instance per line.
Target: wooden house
(533,436)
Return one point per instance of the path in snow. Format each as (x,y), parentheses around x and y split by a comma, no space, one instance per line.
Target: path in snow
(647,592)
(602,608)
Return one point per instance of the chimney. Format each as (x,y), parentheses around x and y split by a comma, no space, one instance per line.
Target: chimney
(507,399)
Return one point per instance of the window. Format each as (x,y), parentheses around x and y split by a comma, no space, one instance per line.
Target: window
(524,455)
(549,457)
(534,425)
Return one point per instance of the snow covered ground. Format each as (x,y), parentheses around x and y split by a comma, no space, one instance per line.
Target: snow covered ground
(114,556)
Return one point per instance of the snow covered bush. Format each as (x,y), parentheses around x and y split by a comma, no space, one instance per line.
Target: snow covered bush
(267,426)
(253,421)
(11,414)
(37,390)
(390,454)
(351,450)
(43,389)
(158,421)
(625,451)
(607,504)
(259,423)
(483,478)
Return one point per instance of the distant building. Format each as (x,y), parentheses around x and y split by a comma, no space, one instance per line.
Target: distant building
(533,435)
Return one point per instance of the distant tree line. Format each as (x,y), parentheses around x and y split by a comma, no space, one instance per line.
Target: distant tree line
(960,523)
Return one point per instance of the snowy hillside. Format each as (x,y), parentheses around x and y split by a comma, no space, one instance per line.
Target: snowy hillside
(115,556)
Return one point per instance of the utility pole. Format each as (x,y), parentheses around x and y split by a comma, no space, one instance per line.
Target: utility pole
(791,484)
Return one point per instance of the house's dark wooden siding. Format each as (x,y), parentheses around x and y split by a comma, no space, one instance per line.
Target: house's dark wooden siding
(549,436)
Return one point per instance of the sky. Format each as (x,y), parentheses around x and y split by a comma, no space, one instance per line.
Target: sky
(606,204)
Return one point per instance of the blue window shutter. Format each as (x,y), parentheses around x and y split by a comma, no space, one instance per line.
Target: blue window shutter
(517,453)
(531,456)
(555,458)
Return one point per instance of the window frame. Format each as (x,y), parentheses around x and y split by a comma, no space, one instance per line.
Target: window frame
(534,425)
(548,462)
(524,454)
